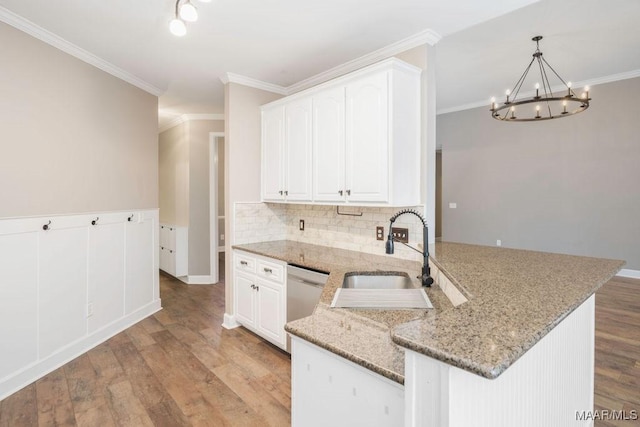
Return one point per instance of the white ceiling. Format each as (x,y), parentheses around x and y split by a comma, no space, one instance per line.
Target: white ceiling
(482,51)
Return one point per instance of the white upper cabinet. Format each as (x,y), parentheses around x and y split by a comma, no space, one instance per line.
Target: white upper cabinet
(297,151)
(286,152)
(273,153)
(353,140)
(328,145)
(367,139)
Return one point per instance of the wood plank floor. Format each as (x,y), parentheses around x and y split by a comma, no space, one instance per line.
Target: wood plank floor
(617,364)
(180,368)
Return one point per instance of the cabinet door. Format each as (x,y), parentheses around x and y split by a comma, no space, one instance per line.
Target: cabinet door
(245,299)
(328,146)
(298,150)
(270,313)
(273,153)
(367,139)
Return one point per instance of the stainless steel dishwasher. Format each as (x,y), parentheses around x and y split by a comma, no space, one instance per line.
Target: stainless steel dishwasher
(304,287)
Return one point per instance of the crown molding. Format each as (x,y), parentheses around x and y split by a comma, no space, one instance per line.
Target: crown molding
(188,117)
(58,42)
(591,82)
(251,82)
(424,37)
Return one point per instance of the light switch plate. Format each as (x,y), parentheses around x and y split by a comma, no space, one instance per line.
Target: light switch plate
(301,225)
(400,234)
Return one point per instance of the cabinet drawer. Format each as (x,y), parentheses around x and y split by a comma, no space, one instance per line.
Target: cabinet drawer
(244,263)
(271,271)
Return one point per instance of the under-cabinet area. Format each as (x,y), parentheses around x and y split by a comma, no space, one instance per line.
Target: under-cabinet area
(353,140)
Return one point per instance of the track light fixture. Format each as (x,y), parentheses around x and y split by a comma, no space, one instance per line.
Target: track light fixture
(185,12)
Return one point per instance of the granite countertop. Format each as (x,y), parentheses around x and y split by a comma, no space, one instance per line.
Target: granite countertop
(515,297)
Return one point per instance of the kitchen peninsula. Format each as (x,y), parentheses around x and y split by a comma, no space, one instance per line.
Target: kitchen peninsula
(520,349)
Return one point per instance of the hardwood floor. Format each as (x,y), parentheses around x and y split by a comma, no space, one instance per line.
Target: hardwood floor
(617,364)
(180,368)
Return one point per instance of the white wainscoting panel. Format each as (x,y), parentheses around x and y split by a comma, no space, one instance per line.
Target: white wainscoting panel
(62,288)
(18,301)
(140,270)
(65,283)
(106,274)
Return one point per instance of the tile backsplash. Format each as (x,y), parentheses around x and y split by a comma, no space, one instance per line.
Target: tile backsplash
(256,222)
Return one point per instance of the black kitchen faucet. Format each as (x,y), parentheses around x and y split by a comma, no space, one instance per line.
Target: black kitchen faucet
(426,278)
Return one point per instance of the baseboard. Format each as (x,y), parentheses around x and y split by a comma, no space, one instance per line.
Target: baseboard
(197,280)
(29,374)
(632,274)
(230,322)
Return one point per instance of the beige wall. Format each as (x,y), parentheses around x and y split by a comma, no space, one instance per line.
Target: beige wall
(567,185)
(199,214)
(242,157)
(184,185)
(74,138)
(174,175)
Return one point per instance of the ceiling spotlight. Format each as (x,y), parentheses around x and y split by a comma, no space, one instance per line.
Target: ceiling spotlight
(188,12)
(177,27)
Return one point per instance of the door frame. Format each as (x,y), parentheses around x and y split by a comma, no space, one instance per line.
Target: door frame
(213,205)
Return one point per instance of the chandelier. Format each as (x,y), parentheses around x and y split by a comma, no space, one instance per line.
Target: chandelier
(545,104)
(185,12)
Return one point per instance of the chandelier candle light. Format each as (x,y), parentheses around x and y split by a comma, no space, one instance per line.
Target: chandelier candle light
(545,105)
(185,12)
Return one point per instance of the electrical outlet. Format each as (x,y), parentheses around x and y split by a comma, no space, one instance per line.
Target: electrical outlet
(379,233)
(400,234)
(498,242)
(222,237)
(302,225)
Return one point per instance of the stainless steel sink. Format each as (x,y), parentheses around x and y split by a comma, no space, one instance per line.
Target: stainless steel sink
(378,280)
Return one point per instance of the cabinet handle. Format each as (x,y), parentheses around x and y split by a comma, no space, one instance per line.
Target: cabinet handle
(257,288)
(280,192)
(286,193)
(340,192)
(253,286)
(95,221)
(170,251)
(267,270)
(348,192)
(46,226)
(244,263)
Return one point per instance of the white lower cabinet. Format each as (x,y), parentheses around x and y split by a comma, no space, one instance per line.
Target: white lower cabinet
(174,246)
(328,390)
(260,296)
